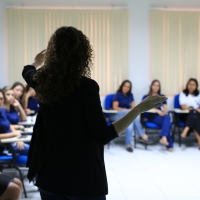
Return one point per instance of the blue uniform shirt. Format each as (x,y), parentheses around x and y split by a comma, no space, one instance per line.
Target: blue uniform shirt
(33,104)
(4,122)
(12,116)
(124,101)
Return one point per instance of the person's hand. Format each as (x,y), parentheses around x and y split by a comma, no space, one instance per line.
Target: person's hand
(21,127)
(160,113)
(16,103)
(39,59)
(27,111)
(152,102)
(20,145)
(16,134)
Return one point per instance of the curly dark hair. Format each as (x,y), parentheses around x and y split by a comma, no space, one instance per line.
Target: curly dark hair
(68,57)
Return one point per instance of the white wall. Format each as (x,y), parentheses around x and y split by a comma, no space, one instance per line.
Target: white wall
(139,45)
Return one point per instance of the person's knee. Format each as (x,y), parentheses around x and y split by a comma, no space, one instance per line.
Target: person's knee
(12,192)
(18,182)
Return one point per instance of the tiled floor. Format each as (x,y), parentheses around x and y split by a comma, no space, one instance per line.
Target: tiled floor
(152,174)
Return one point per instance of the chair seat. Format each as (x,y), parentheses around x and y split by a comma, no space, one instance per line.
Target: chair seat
(20,160)
(151,125)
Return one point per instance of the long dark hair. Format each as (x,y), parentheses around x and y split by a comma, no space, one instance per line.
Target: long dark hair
(68,57)
(22,98)
(150,88)
(196,92)
(122,84)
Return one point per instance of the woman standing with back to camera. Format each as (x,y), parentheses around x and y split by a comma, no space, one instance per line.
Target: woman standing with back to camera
(67,147)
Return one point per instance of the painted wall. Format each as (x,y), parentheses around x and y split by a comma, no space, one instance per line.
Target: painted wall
(139,45)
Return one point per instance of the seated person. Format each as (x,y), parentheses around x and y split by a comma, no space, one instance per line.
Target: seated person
(10,188)
(161,118)
(8,131)
(123,101)
(189,99)
(14,110)
(19,92)
(31,102)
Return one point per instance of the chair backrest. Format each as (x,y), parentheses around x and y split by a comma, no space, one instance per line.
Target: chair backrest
(176,101)
(108,101)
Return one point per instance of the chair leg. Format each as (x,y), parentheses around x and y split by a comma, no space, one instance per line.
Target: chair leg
(173,132)
(179,137)
(135,140)
(21,177)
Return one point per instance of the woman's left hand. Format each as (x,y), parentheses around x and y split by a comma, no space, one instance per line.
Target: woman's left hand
(20,145)
(39,59)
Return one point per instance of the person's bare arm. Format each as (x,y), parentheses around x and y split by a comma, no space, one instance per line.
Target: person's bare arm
(13,133)
(149,103)
(21,111)
(184,107)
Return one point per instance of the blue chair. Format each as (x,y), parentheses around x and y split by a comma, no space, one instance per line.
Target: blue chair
(148,125)
(13,161)
(178,124)
(108,106)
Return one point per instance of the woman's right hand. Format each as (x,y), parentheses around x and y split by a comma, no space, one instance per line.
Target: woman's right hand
(27,111)
(152,102)
(16,133)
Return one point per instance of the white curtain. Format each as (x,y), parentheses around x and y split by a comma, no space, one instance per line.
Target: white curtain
(30,29)
(175,48)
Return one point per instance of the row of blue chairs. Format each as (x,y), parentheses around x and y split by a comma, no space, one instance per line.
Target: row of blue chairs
(177,125)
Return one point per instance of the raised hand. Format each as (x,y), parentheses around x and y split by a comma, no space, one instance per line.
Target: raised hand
(39,59)
(152,102)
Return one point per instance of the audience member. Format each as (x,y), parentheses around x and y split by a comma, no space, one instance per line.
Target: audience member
(19,92)
(14,110)
(7,130)
(190,100)
(31,102)
(123,101)
(161,117)
(10,188)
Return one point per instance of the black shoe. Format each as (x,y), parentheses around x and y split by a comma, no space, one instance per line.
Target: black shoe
(145,141)
(129,149)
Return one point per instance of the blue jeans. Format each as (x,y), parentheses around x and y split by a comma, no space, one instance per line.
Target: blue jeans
(135,125)
(165,126)
(50,196)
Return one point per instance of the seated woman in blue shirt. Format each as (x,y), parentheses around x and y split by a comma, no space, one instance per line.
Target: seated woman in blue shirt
(7,130)
(19,92)
(123,101)
(31,102)
(14,110)
(161,118)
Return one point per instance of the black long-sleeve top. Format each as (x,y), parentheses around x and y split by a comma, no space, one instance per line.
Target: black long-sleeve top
(67,146)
